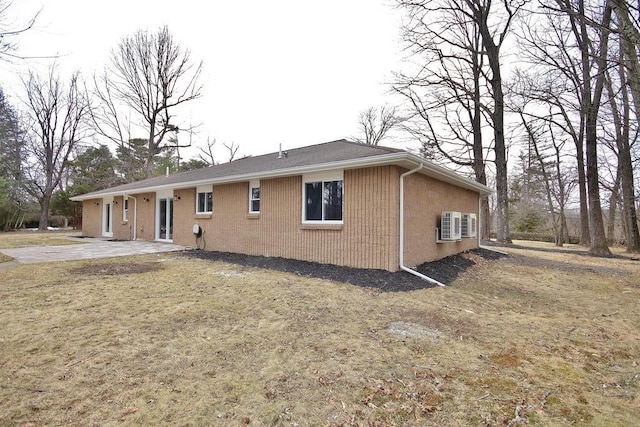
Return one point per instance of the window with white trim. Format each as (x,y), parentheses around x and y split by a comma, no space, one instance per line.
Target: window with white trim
(204,199)
(322,196)
(125,209)
(254,196)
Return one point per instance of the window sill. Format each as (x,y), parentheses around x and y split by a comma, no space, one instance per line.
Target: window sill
(203,215)
(321,226)
(124,223)
(253,215)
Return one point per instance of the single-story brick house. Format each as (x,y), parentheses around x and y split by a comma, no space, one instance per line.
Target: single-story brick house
(337,203)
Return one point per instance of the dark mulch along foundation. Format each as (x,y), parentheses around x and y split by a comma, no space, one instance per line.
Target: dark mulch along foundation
(445,270)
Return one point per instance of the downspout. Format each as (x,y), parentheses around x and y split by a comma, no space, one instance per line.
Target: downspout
(135,217)
(479,221)
(402,266)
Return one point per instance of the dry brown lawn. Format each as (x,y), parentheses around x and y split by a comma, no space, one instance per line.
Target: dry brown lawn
(537,338)
(23,239)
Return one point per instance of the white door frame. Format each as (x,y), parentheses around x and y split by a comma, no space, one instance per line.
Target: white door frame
(166,196)
(107,217)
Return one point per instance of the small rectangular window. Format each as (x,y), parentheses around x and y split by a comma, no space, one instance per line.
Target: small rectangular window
(332,201)
(125,210)
(313,196)
(254,197)
(322,197)
(204,199)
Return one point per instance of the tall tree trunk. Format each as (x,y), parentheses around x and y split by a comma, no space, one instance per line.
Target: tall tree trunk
(564,231)
(629,44)
(613,205)
(45,200)
(479,166)
(585,232)
(624,179)
(598,237)
(626,176)
(502,193)
(485,218)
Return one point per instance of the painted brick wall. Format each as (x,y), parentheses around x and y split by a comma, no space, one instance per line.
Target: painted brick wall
(424,200)
(146,221)
(121,230)
(92,218)
(368,238)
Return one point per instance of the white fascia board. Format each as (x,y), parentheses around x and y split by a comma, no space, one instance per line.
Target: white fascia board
(446,175)
(400,158)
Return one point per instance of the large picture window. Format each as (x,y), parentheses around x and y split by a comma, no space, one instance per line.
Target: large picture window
(322,196)
(204,199)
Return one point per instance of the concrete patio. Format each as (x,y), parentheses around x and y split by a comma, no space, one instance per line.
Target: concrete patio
(87,248)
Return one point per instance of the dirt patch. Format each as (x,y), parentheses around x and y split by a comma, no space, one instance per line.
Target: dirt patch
(414,330)
(445,270)
(117,269)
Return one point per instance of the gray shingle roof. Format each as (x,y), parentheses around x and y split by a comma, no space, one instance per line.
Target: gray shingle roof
(267,165)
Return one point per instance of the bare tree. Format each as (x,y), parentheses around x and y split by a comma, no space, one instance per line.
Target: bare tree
(629,30)
(547,152)
(206,154)
(446,94)
(9,32)
(58,112)
(107,116)
(591,95)
(152,75)
(232,149)
(552,83)
(573,48)
(376,123)
(461,42)
(494,24)
(620,106)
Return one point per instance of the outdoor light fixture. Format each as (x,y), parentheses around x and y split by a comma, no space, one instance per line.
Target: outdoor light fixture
(178,198)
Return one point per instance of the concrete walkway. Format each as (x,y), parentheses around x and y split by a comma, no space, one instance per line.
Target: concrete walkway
(88,248)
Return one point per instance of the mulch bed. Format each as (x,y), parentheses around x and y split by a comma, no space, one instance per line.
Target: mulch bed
(445,270)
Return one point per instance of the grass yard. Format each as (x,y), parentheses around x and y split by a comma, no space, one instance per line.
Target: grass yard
(23,239)
(537,338)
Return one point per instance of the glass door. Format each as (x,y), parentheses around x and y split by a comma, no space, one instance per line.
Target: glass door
(107,219)
(165,219)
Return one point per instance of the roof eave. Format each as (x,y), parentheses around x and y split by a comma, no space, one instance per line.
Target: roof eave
(401,158)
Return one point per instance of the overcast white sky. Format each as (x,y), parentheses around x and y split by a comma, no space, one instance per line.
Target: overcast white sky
(294,72)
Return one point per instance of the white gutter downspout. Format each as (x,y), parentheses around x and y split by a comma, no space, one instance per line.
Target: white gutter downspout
(479,221)
(402,266)
(135,216)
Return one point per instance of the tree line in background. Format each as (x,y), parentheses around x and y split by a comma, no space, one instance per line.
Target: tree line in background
(557,81)
(553,85)
(50,150)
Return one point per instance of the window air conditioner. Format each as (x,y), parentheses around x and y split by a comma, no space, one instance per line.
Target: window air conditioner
(469,225)
(450,225)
